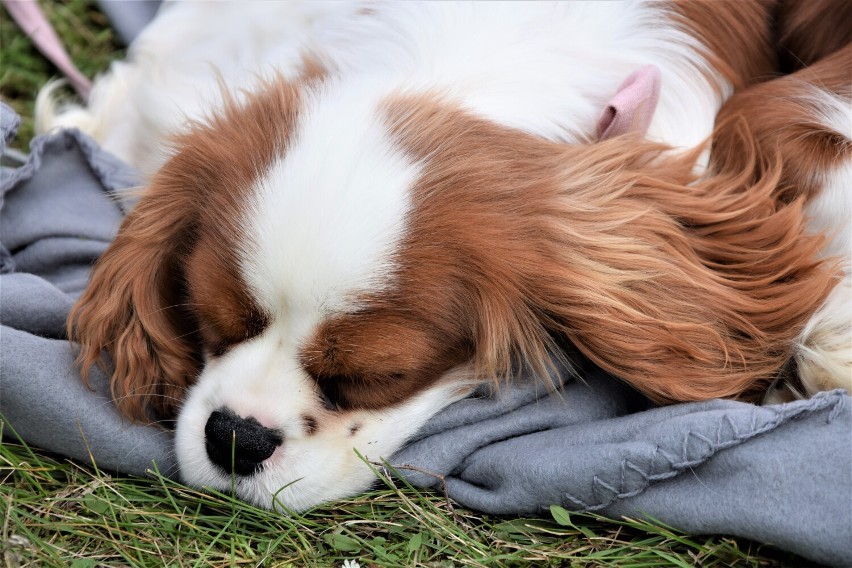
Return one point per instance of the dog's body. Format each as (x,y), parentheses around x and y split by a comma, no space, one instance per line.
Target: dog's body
(419,202)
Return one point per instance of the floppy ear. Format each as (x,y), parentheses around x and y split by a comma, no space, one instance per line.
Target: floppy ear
(132,307)
(687,288)
(135,305)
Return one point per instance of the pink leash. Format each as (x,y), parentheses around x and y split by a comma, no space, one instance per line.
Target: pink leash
(32,21)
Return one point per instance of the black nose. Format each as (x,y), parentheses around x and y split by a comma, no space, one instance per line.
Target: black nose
(238,444)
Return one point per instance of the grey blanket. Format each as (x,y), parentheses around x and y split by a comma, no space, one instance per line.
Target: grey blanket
(777,474)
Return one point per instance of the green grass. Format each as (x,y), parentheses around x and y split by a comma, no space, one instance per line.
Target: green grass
(54,512)
(59,513)
(87,36)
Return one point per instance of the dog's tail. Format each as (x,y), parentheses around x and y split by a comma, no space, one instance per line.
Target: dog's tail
(51,112)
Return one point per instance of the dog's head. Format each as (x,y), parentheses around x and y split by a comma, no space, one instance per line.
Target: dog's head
(320,268)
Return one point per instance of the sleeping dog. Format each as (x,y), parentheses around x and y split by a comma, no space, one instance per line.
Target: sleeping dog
(357,212)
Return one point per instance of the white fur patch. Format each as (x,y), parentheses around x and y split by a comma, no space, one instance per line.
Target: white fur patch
(547,68)
(324,220)
(824,350)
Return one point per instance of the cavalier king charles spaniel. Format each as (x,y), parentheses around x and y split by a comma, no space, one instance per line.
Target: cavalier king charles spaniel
(356,212)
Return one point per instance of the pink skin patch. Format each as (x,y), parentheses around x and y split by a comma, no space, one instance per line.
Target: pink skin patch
(632,107)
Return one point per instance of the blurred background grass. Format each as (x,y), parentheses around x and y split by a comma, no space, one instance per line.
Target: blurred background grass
(87,36)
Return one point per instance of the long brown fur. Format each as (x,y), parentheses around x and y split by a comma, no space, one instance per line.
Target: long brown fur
(736,36)
(688,288)
(784,117)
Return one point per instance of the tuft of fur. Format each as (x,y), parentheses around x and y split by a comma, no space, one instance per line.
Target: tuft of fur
(805,119)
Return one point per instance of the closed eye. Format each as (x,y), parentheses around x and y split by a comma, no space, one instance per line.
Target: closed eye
(220,348)
(330,392)
(346,392)
(214,344)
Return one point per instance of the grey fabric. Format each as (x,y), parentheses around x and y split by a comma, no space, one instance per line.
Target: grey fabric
(777,474)
(56,217)
(780,475)
(129,18)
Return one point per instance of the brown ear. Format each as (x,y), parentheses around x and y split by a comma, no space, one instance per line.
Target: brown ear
(133,308)
(687,288)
